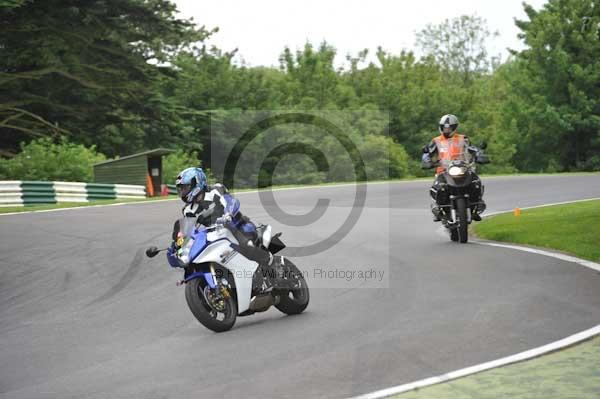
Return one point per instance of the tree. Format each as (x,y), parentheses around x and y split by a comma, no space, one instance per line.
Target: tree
(458,45)
(561,83)
(174,163)
(89,70)
(312,78)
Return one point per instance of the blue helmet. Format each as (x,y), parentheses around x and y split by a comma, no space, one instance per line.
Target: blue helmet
(190,183)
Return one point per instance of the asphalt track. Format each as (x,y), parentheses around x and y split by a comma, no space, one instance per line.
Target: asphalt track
(84,314)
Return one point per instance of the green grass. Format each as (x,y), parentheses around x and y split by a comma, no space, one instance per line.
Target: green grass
(43,207)
(572,228)
(571,373)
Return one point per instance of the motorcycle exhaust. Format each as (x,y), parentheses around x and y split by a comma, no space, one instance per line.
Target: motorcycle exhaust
(260,303)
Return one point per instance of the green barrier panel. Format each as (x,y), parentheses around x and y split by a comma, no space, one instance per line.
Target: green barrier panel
(38,192)
(172,189)
(96,191)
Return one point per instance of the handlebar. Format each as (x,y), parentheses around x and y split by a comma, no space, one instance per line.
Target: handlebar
(214,226)
(152,251)
(219,224)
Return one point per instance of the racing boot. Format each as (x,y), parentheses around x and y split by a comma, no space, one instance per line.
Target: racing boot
(478,210)
(435,209)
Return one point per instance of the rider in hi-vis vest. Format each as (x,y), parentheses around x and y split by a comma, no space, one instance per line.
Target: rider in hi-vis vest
(450,149)
(447,147)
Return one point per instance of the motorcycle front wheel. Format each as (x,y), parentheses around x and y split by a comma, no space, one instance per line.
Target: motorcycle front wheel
(463,224)
(217,315)
(454,234)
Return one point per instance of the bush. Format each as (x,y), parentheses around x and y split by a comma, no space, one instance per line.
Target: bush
(43,159)
(174,163)
(383,158)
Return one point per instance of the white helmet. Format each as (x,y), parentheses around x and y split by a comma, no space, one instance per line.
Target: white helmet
(448,125)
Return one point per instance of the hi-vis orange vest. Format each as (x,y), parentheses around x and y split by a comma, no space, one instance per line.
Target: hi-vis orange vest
(449,150)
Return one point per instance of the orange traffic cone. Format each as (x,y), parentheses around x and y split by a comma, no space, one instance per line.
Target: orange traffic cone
(517,212)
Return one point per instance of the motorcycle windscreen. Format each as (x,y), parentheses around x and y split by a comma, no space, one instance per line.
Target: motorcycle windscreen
(186,226)
(190,231)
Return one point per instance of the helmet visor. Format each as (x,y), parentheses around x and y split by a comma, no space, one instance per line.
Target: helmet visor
(183,190)
(447,128)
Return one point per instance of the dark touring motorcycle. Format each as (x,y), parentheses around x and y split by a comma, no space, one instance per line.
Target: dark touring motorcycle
(225,279)
(460,193)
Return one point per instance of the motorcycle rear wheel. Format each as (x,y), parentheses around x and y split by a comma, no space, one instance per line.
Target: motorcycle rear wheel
(295,300)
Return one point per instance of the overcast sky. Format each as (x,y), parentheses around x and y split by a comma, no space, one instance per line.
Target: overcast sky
(260,29)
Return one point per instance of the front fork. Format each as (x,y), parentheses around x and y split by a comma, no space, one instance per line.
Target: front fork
(453,199)
(220,286)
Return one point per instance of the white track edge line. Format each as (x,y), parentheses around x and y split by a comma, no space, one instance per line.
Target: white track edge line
(234,193)
(529,354)
(567,258)
(86,207)
(282,189)
(541,206)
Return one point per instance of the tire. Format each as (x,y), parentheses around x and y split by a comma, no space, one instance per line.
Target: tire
(463,224)
(294,301)
(454,234)
(205,314)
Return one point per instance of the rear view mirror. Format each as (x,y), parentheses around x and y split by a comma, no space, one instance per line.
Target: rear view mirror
(152,252)
(482,158)
(483,145)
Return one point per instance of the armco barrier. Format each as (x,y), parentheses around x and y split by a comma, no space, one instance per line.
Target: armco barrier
(15,193)
(70,192)
(128,191)
(97,191)
(38,192)
(10,193)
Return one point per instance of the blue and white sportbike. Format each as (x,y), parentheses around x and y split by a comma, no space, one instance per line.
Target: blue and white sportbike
(225,278)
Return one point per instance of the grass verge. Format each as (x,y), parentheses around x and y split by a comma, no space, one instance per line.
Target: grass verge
(572,228)
(570,373)
(44,207)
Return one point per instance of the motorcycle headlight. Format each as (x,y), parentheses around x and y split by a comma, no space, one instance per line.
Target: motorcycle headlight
(456,171)
(184,252)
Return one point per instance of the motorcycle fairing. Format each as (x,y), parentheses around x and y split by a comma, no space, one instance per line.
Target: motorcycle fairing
(464,180)
(242,268)
(208,277)
(200,243)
